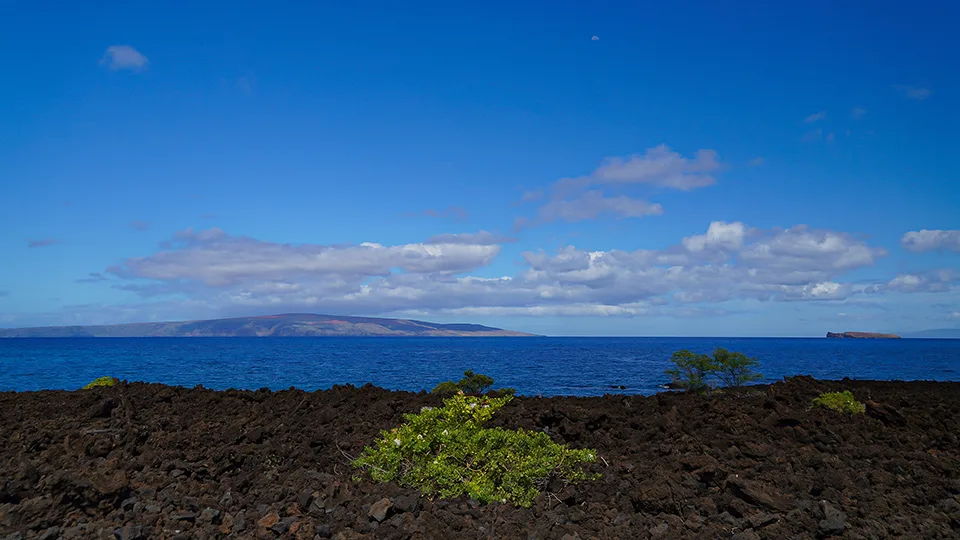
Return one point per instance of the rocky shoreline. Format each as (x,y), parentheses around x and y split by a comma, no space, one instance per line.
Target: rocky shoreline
(138,461)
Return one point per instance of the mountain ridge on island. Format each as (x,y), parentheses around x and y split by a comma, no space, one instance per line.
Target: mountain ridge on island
(861,335)
(936,333)
(282,325)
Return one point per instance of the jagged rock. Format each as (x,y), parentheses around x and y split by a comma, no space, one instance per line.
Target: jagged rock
(758,521)
(379,509)
(323,531)
(210,515)
(834,521)
(269,520)
(885,413)
(130,532)
(283,525)
(184,516)
(50,534)
(406,503)
(305,498)
(758,494)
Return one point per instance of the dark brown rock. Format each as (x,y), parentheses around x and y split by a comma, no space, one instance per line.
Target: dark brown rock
(704,466)
(380,509)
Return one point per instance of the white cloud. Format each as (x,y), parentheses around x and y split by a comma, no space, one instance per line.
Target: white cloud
(801,249)
(928,282)
(858,113)
(931,240)
(913,92)
(719,235)
(730,261)
(756,162)
(815,117)
(118,57)
(216,259)
(595,38)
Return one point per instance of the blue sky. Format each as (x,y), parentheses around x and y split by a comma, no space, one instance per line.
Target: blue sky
(594,168)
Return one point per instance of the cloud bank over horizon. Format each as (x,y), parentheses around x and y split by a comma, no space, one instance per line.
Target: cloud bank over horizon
(210,273)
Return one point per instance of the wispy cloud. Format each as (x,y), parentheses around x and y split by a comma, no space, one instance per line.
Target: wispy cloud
(595,38)
(531,196)
(659,166)
(119,57)
(831,137)
(246,84)
(481,238)
(812,135)
(592,204)
(139,225)
(858,113)
(43,242)
(913,92)
(815,117)
(453,212)
(92,277)
(586,197)
(756,162)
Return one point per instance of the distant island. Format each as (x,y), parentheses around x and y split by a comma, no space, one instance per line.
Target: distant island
(861,335)
(291,324)
(937,333)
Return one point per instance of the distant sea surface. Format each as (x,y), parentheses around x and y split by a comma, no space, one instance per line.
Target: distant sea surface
(534,366)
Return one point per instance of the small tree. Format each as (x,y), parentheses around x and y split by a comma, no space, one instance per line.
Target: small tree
(691,371)
(471,383)
(734,368)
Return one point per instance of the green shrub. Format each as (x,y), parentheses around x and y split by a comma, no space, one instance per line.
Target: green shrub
(471,383)
(734,368)
(446,451)
(102,381)
(693,372)
(840,402)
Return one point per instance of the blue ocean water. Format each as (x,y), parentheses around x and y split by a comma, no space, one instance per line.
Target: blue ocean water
(545,366)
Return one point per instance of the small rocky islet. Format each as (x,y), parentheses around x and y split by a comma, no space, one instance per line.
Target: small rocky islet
(861,335)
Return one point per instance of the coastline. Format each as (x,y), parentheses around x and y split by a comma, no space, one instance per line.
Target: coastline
(759,462)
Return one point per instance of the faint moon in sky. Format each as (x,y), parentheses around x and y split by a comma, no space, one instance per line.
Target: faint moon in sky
(595,38)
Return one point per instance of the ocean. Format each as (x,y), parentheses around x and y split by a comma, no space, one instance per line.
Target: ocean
(545,366)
